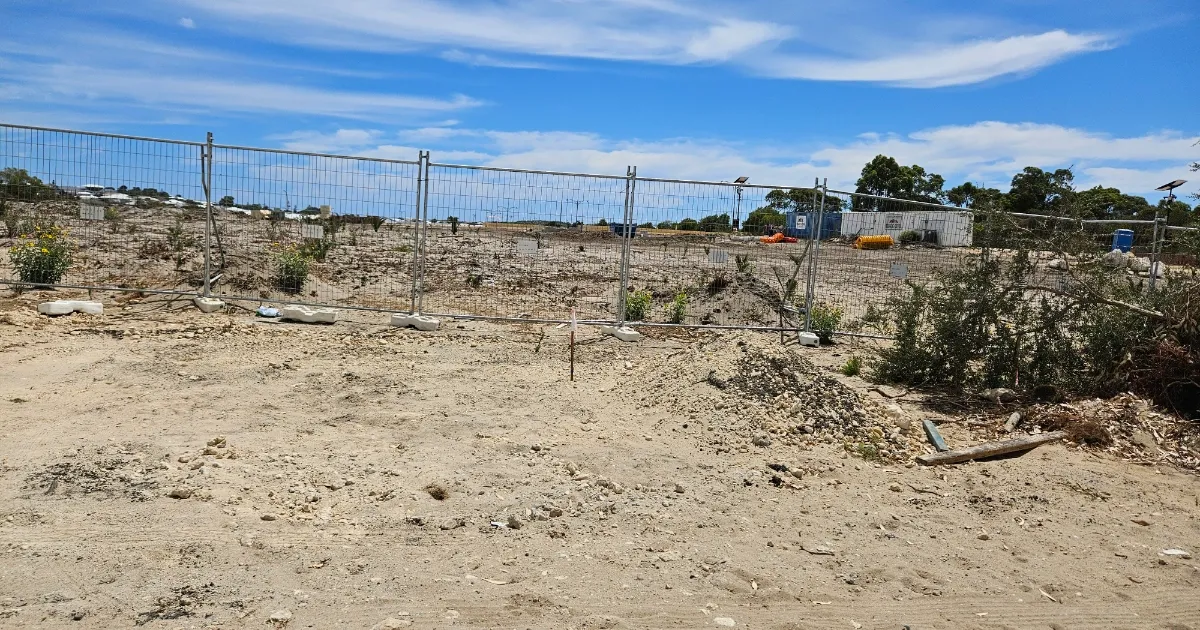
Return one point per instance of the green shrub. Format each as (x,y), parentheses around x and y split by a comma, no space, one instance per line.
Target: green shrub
(292,264)
(178,239)
(44,257)
(909,236)
(853,366)
(375,222)
(453,224)
(743,263)
(825,321)
(318,249)
(679,308)
(637,305)
(113,217)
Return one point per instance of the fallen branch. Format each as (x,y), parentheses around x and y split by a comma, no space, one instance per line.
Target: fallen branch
(991,449)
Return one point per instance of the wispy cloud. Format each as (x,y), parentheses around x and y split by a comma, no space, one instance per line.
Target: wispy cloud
(783,44)
(187,22)
(480,59)
(987,153)
(68,83)
(954,64)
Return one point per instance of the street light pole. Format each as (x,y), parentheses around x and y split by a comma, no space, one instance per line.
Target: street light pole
(737,213)
(1169,188)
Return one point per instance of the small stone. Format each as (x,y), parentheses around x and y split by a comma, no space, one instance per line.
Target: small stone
(280,617)
(269,517)
(678,489)
(183,459)
(180,493)
(78,615)
(761,440)
(555,512)
(513,522)
(724,622)
(983,537)
(1144,522)
(450,523)
(895,487)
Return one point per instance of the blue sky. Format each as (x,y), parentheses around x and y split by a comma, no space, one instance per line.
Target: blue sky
(781,91)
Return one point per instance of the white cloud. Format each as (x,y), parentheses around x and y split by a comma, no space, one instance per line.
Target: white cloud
(987,153)
(187,22)
(479,59)
(783,42)
(955,64)
(66,83)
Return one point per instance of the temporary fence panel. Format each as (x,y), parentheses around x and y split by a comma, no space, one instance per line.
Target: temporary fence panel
(310,228)
(694,269)
(101,211)
(506,243)
(853,285)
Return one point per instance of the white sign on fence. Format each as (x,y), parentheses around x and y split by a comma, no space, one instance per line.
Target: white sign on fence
(801,222)
(527,246)
(308,230)
(90,212)
(894,222)
(718,256)
(899,270)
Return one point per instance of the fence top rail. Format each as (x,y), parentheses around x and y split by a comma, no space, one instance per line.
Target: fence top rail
(916,203)
(1025,215)
(1181,228)
(234,147)
(101,135)
(501,169)
(663,180)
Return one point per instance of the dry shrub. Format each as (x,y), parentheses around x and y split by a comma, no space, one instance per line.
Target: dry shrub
(437,491)
(1079,429)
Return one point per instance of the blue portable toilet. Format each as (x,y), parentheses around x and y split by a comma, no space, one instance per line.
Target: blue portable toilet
(802,224)
(1123,240)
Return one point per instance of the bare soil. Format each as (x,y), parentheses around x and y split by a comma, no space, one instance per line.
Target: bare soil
(167,469)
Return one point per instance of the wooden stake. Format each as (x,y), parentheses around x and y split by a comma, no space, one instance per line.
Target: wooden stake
(572,356)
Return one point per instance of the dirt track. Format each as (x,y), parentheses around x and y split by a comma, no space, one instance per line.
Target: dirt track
(642,500)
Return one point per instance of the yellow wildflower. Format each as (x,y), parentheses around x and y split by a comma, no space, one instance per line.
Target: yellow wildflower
(45,251)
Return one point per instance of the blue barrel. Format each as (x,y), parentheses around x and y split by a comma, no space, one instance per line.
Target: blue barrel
(1123,240)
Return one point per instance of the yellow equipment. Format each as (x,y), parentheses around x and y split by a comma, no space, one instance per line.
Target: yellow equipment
(873,242)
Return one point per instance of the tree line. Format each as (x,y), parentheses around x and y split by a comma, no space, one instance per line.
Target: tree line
(1032,191)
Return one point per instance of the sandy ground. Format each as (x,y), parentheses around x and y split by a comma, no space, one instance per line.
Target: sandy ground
(635,497)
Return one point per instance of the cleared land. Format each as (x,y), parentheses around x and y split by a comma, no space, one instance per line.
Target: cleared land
(351,474)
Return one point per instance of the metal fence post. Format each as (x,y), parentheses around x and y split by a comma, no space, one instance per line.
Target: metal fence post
(206,162)
(623,294)
(1159,235)
(422,162)
(425,235)
(811,286)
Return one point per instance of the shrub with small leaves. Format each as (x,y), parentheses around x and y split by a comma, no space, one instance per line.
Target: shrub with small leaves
(44,256)
(292,264)
(825,320)
(637,305)
(679,307)
(909,236)
(853,366)
(743,263)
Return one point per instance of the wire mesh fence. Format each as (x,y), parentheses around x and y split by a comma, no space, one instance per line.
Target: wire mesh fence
(108,211)
(97,210)
(688,265)
(314,228)
(871,247)
(521,244)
